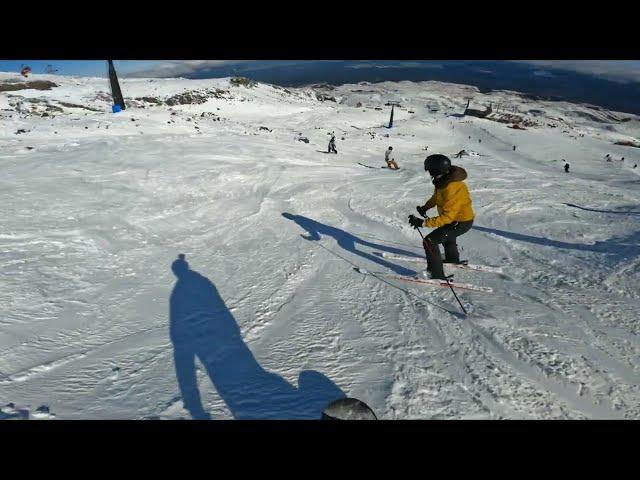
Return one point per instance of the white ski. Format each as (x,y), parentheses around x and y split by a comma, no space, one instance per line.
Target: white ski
(441,283)
(428,281)
(464,266)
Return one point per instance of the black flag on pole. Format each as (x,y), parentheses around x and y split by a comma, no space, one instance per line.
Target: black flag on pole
(116,93)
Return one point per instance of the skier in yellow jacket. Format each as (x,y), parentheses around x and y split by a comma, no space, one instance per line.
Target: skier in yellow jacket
(455,214)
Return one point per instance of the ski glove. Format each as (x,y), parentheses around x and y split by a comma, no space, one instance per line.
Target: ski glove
(422,210)
(415,222)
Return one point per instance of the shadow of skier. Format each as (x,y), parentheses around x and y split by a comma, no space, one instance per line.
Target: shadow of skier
(348,242)
(202,327)
(619,212)
(618,248)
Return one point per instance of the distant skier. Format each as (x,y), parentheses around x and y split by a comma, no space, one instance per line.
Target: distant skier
(455,213)
(514,148)
(332,144)
(390,163)
(566,167)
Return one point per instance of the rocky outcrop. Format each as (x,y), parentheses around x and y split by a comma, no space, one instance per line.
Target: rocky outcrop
(10,86)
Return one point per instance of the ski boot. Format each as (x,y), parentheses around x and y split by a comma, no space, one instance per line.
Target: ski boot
(429,275)
(455,261)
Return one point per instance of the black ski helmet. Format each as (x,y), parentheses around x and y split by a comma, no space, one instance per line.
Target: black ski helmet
(437,164)
(348,409)
(390,148)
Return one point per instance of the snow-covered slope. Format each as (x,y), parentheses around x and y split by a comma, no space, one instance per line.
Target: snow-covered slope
(96,208)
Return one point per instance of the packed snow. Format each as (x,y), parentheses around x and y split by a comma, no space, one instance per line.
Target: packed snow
(283,291)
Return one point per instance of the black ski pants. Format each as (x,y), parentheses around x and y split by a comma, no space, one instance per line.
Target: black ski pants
(445,235)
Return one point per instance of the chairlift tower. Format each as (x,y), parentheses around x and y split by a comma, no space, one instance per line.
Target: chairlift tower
(393,105)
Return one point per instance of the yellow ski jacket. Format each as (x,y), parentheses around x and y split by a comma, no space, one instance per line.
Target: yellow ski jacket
(452,198)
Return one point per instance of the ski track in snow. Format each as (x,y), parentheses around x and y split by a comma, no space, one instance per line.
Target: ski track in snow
(94,217)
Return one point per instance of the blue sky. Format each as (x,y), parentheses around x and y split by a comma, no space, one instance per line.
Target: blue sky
(88,68)
(619,70)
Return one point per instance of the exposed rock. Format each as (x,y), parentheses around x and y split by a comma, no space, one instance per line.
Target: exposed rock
(153,100)
(210,115)
(323,97)
(242,81)
(54,108)
(627,143)
(8,86)
(73,105)
(186,98)
(217,93)
(104,96)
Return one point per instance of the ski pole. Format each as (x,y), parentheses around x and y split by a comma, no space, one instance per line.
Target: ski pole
(445,277)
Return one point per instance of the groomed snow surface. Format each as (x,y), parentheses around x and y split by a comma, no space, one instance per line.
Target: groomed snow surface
(101,319)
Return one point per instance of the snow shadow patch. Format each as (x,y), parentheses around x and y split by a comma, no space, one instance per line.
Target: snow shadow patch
(202,327)
(619,212)
(620,248)
(349,242)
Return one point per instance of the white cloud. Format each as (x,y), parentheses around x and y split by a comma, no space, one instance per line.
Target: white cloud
(624,71)
(395,65)
(178,68)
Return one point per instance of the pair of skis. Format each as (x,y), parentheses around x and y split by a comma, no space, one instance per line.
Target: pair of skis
(440,283)
(464,265)
(369,166)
